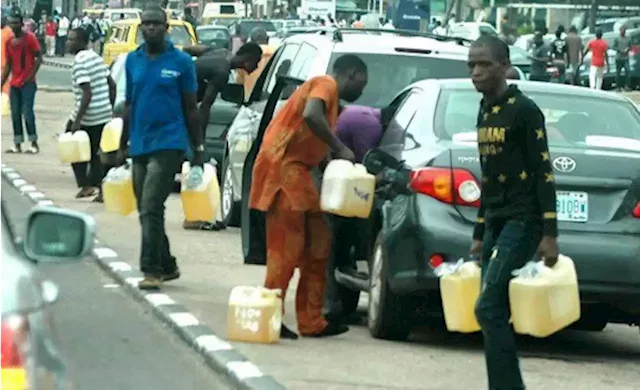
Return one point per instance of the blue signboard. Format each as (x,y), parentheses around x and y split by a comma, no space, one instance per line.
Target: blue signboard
(407,14)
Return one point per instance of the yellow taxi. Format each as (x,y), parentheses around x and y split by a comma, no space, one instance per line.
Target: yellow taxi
(125,36)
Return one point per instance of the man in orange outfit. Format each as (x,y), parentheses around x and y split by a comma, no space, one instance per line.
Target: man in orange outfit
(7,35)
(297,140)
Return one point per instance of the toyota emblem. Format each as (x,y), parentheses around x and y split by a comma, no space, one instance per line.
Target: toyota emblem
(564,164)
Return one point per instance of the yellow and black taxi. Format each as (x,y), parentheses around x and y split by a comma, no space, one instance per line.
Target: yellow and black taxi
(125,36)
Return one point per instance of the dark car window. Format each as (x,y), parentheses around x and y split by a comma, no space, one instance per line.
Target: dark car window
(280,67)
(575,121)
(247,26)
(393,140)
(179,35)
(210,34)
(385,84)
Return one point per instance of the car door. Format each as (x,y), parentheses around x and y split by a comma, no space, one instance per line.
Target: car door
(116,43)
(245,128)
(253,227)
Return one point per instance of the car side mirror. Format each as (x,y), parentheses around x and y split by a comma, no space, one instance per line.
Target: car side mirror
(57,235)
(233,93)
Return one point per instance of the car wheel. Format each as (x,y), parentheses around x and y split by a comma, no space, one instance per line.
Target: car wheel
(389,316)
(230,209)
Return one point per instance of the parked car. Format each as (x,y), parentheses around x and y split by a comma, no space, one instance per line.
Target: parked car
(31,353)
(216,37)
(471,30)
(413,56)
(245,26)
(222,114)
(431,140)
(521,59)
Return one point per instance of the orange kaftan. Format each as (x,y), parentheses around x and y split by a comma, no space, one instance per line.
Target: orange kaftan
(282,186)
(7,35)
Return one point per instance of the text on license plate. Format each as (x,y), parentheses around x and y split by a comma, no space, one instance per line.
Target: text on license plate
(572,206)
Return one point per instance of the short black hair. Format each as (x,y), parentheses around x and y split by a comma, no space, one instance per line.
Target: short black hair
(599,33)
(498,47)
(155,8)
(81,34)
(349,62)
(573,29)
(251,50)
(15,13)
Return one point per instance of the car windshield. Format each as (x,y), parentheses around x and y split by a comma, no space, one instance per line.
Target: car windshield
(210,34)
(407,69)
(179,35)
(123,15)
(575,121)
(248,26)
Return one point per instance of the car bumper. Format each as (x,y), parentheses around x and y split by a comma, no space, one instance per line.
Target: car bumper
(608,265)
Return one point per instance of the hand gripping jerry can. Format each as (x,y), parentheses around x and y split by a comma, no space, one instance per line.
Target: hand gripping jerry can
(74,147)
(546,302)
(200,203)
(111,134)
(255,315)
(5,105)
(347,189)
(117,191)
(460,291)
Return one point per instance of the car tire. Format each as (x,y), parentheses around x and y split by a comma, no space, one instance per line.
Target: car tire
(230,209)
(390,316)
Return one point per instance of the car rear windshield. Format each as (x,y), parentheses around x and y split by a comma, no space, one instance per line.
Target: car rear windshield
(247,27)
(179,35)
(384,85)
(575,121)
(209,34)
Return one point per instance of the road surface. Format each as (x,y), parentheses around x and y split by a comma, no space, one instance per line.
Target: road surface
(53,76)
(111,342)
(211,265)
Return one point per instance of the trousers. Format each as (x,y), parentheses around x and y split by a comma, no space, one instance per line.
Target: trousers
(507,245)
(90,174)
(298,239)
(22,100)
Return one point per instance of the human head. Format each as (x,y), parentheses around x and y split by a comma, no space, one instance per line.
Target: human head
(259,36)
(488,63)
(350,73)
(538,39)
(101,15)
(77,40)
(573,29)
(248,57)
(512,74)
(599,33)
(15,21)
(187,11)
(153,22)
(623,31)
(561,29)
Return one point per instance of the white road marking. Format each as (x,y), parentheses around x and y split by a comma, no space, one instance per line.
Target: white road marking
(19,182)
(212,343)
(184,319)
(27,188)
(111,285)
(45,202)
(8,170)
(104,253)
(13,176)
(120,266)
(244,370)
(35,195)
(157,299)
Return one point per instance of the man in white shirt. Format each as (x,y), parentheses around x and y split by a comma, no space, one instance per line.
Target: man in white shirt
(76,22)
(86,20)
(61,38)
(94,92)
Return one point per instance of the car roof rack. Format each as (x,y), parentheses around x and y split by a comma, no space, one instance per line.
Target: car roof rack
(338,33)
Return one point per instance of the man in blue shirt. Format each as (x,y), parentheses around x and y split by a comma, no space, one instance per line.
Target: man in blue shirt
(160,119)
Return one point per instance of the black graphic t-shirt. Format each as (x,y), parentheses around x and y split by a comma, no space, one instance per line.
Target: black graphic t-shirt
(559,49)
(517,178)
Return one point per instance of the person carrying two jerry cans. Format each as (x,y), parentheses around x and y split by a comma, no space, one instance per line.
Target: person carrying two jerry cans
(517,215)
(297,233)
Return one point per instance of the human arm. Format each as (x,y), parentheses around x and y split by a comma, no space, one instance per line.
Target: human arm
(204,111)
(112,90)
(606,56)
(189,89)
(126,112)
(6,70)
(37,56)
(195,50)
(587,49)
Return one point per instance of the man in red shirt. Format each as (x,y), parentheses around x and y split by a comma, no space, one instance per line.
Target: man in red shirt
(23,61)
(50,30)
(598,48)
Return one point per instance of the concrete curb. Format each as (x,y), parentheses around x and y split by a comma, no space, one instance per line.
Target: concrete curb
(53,88)
(219,355)
(57,64)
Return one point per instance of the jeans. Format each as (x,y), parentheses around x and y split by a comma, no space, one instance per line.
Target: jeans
(152,183)
(22,100)
(90,174)
(351,242)
(620,81)
(61,42)
(507,245)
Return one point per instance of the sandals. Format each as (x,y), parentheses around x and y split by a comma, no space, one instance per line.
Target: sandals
(86,192)
(15,149)
(33,149)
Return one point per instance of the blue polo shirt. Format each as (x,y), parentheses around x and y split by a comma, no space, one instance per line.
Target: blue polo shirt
(154,92)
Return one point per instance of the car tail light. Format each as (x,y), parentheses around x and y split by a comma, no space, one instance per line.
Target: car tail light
(436,260)
(452,186)
(553,71)
(15,347)
(636,211)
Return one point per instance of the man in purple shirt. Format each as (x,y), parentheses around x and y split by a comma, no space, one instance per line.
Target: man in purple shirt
(359,128)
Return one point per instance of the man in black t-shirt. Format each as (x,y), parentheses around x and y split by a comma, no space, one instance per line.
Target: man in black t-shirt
(559,54)
(541,56)
(517,214)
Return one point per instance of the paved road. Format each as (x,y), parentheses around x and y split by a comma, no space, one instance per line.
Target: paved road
(211,265)
(53,76)
(112,343)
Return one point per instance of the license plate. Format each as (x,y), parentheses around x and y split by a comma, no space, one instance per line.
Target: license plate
(572,206)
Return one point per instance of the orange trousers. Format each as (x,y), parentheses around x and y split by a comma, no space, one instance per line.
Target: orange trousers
(299,239)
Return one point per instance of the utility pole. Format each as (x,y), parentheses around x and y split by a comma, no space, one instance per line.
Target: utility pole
(458,10)
(592,16)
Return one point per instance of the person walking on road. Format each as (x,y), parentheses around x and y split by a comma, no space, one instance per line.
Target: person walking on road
(517,215)
(61,39)
(559,54)
(297,234)
(574,54)
(160,119)
(23,61)
(50,31)
(94,92)
(622,46)
(598,48)
(541,56)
